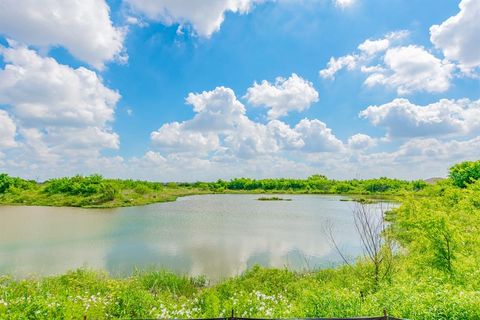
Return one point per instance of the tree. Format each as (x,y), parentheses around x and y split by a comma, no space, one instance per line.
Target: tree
(433,229)
(5,182)
(376,242)
(9,184)
(465,173)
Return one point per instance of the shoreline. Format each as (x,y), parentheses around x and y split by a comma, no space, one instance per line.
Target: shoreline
(352,197)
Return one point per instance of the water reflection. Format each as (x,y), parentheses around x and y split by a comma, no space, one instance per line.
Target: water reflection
(215,235)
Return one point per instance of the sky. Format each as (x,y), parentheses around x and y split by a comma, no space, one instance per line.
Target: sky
(187,90)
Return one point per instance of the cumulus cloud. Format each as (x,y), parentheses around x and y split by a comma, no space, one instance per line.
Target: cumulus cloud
(175,137)
(368,51)
(403,119)
(217,110)
(286,137)
(317,136)
(219,120)
(433,137)
(83,27)
(406,69)
(336,64)
(7,130)
(361,141)
(459,36)
(430,156)
(283,96)
(220,127)
(59,110)
(410,69)
(41,90)
(435,149)
(204,16)
(371,47)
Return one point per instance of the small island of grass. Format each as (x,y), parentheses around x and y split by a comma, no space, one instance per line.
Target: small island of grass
(273,199)
(361,200)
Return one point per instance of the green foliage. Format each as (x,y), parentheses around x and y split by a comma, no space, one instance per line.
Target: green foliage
(465,173)
(77,185)
(257,293)
(13,185)
(96,191)
(165,281)
(320,184)
(89,191)
(440,230)
(5,182)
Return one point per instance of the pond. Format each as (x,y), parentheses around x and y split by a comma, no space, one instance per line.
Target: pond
(213,235)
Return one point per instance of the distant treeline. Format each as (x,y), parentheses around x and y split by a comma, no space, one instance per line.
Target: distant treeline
(318,184)
(96,191)
(96,184)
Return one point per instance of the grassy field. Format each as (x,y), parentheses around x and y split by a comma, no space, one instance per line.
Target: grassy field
(342,292)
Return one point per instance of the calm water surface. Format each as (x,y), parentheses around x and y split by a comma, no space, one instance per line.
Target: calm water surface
(214,235)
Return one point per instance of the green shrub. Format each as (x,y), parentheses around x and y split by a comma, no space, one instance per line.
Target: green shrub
(465,173)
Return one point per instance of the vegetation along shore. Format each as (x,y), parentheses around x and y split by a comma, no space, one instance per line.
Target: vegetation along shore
(96,191)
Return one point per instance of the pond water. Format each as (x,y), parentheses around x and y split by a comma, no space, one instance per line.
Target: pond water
(213,235)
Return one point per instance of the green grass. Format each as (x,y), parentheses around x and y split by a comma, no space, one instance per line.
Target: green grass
(259,292)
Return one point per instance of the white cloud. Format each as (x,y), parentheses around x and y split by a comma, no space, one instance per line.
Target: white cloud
(344,3)
(42,91)
(412,68)
(7,130)
(174,137)
(369,50)
(286,137)
(429,156)
(284,96)
(220,125)
(221,129)
(402,118)
(371,47)
(217,110)
(317,136)
(406,69)
(459,36)
(361,141)
(83,27)
(435,149)
(86,138)
(336,64)
(204,16)
(61,112)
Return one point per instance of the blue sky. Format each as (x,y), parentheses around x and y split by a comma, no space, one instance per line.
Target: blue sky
(201,90)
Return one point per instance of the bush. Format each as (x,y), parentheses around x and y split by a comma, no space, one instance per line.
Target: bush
(465,173)
(78,185)
(8,183)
